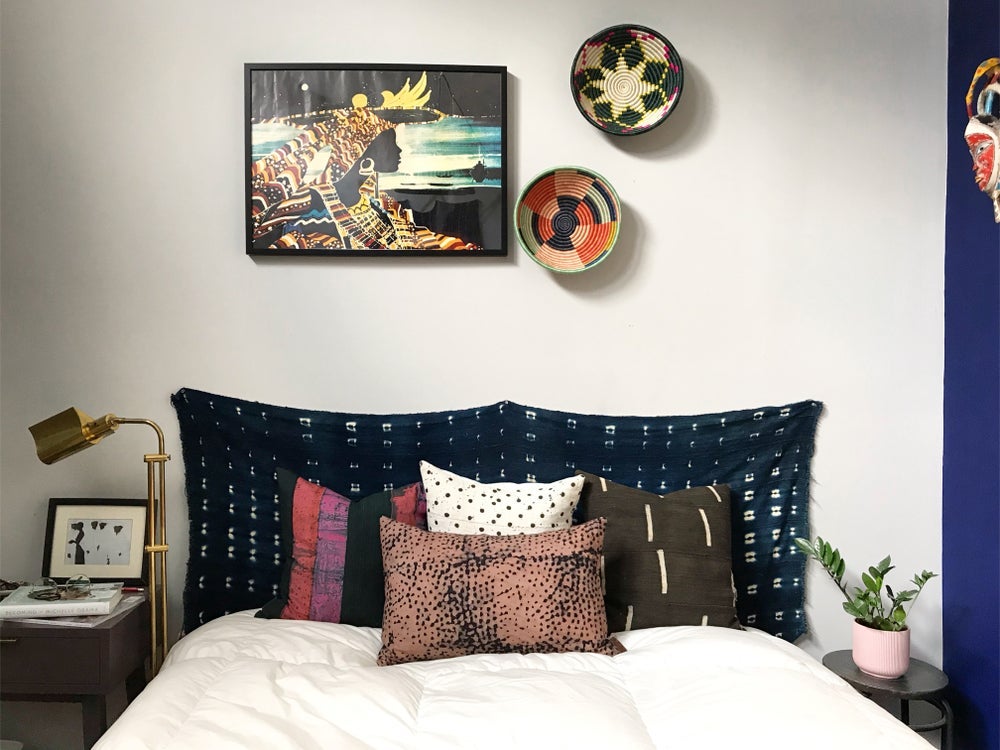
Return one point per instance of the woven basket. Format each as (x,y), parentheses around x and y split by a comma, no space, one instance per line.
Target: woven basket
(627,79)
(567,219)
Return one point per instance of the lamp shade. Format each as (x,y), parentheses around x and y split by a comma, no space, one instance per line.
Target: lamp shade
(69,432)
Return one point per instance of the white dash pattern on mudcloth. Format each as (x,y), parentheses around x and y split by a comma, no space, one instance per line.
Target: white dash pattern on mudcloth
(708,529)
(663,571)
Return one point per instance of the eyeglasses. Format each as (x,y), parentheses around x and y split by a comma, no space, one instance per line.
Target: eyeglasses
(46,589)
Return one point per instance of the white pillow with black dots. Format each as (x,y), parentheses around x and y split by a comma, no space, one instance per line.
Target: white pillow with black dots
(460,505)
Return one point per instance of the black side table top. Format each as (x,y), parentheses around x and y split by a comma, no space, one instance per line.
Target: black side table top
(920,681)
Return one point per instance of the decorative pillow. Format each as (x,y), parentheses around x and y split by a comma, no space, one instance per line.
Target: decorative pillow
(464,506)
(333,562)
(453,594)
(667,558)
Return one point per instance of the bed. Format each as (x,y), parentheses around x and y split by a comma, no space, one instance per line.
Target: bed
(497,577)
(240,682)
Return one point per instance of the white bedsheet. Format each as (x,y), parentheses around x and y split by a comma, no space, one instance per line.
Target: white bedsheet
(240,682)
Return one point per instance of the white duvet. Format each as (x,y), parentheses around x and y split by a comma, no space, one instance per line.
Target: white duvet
(240,682)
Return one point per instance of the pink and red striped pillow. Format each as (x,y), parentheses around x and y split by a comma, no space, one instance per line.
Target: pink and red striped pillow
(333,561)
(319,549)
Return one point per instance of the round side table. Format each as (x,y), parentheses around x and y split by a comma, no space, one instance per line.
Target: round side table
(922,682)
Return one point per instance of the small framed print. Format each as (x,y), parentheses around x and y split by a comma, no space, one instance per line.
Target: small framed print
(101,539)
(376,160)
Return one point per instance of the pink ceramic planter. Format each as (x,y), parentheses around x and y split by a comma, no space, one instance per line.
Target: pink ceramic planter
(881,653)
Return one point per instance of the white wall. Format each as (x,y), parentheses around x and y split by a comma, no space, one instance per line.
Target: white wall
(783,239)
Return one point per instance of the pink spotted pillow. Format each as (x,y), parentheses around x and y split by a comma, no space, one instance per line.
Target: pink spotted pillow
(454,594)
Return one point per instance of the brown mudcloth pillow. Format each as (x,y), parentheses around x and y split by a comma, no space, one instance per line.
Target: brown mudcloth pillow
(454,594)
(667,558)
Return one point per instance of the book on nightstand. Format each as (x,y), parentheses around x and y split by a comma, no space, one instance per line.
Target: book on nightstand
(84,621)
(101,601)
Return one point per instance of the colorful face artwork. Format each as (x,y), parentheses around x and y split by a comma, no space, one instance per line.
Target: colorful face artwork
(320,190)
(982,134)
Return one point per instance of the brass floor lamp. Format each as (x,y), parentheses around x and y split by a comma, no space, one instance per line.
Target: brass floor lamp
(72,431)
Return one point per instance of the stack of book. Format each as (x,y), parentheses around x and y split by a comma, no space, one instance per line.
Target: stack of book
(106,600)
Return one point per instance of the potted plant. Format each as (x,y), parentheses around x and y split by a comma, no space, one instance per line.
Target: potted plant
(881,640)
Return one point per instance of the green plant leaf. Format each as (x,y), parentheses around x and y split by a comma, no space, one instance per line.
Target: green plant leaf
(885,566)
(923,578)
(805,546)
(841,569)
(870,582)
(899,615)
(855,611)
(888,623)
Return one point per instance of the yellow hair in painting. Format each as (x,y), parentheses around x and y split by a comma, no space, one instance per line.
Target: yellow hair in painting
(407,97)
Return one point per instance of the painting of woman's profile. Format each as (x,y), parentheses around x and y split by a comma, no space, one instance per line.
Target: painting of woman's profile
(363,160)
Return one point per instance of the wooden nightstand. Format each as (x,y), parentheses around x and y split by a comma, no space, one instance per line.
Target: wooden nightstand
(73,664)
(922,682)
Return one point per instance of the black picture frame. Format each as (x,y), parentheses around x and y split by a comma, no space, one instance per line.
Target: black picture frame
(123,557)
(363,160)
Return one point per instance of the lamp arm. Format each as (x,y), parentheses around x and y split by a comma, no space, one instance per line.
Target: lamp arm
(156,548)
(150,422)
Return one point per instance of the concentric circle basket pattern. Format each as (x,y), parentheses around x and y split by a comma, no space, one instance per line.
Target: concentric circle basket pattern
(627,79)
(567,219)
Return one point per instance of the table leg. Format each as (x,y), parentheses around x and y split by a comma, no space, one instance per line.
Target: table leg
(135,683)
(949,723)
(904,711)
(95,719)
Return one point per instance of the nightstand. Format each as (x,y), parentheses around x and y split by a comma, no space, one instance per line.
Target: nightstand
(922,682)
(76,664)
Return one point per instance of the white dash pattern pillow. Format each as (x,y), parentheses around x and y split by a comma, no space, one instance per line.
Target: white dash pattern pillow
(461,505)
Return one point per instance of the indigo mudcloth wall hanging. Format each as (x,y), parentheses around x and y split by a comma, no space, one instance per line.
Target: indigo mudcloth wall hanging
(232,448)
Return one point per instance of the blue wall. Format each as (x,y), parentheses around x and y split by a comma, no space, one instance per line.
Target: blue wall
(971,491)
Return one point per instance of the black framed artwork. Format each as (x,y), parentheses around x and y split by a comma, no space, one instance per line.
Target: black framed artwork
(376,160)
(103,539)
